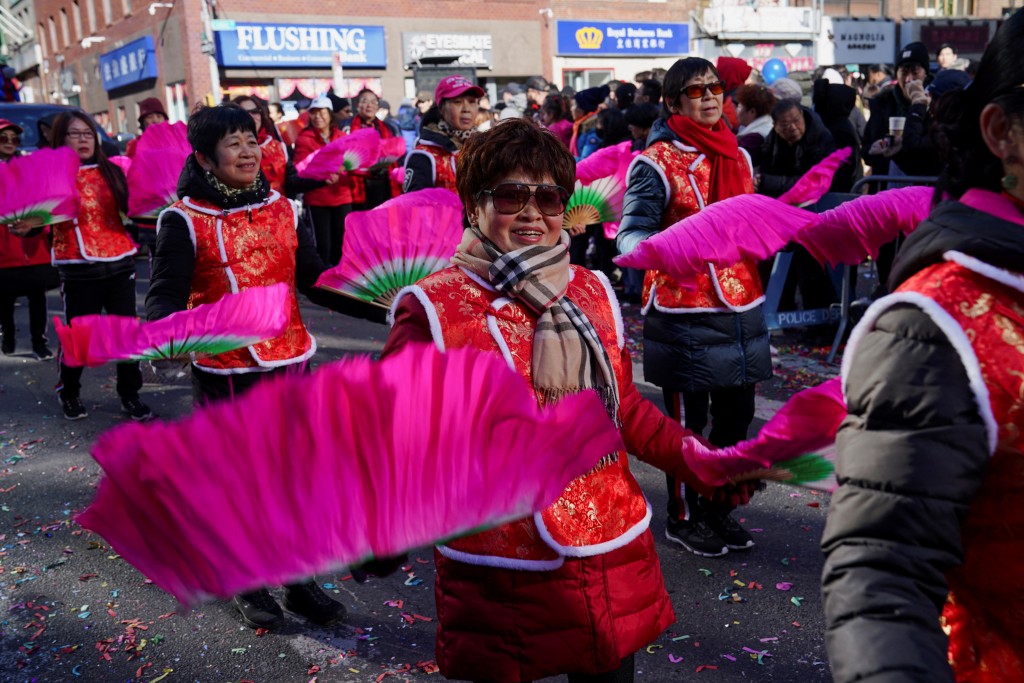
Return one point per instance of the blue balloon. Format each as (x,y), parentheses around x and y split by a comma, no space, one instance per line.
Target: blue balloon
(772,70)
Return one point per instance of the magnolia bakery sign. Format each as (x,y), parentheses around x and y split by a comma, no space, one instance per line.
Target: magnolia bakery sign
(863,41)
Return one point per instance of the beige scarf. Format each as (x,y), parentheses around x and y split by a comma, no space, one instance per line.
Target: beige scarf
(568,356)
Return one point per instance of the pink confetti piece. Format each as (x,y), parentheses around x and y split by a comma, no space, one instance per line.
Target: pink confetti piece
(675,660)
(730,658)
(784,585)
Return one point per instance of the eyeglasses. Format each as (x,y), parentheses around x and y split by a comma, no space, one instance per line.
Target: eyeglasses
(511,198)
(10,138)
(80,134)
(697,90)
(252,112)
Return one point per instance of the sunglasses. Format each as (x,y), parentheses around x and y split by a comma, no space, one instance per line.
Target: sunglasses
(511,198)
(10,138)
(697,90)
(252,112)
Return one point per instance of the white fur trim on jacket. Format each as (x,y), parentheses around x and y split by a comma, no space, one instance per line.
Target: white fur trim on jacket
(620,541)
(432,318)
(620,332)
(500,562)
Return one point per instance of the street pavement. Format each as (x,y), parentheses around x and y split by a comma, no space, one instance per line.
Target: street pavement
(72,610)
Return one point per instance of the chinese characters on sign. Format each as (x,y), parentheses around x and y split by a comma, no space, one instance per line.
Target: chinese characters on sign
(128,64)
(606,38)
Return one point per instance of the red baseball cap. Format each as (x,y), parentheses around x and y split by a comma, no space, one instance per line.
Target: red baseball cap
(454,86)
(5,124)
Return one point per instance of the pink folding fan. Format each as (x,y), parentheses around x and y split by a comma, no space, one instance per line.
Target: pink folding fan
(356,151)
(755,226)
(600,189)
(396,244)
(153,176)
(415,449)
(237,320)
(41,187)
(796,446)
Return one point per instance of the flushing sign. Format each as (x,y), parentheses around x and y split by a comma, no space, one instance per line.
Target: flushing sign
(298,45)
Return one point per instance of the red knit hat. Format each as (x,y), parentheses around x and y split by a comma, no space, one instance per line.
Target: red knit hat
(732,71)
(151,105)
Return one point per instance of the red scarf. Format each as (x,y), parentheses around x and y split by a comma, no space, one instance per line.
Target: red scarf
(729,169)
(357,124)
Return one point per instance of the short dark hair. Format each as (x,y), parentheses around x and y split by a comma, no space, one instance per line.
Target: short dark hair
(363,92)
(510,146)
(682,71)
(757,98)
(642,115)
(265,121)
(652,90)
(208,125)
(624,95)
(784,107)
(943,47)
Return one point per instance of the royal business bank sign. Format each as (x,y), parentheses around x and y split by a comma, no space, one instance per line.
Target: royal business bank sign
(298,45)
(608,38)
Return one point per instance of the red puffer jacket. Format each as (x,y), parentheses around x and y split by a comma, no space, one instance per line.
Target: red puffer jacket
(340,193)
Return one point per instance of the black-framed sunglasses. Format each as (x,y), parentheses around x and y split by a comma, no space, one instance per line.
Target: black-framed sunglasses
(10,138)
(697,90)
(511,198)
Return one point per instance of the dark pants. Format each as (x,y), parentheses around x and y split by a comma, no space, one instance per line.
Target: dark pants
(208,387)
(329,229)
(114,295)
(36,314)
(604,249)
(732,411)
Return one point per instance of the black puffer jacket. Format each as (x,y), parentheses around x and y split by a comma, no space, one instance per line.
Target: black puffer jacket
(911,457)
(694,351)
(782,164)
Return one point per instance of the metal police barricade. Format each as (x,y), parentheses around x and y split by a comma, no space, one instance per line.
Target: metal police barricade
(841,278)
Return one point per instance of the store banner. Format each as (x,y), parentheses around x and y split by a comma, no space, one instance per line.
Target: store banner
(128,64)
(864,41)
(471,49)
(605,38)
(243,45)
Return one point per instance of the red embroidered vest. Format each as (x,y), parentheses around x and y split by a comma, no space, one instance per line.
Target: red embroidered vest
(234,253)
(273,162)
(444,165)
(737,287)
(98,233)
(598,512)
(983,611)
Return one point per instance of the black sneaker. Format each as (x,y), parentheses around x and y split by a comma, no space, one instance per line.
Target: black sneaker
(729,530)
(136,409)
(695,537)
(258,609)
(308,600)
(41,351)
(72,407)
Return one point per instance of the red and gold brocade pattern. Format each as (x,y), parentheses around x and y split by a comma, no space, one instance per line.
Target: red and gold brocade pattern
(260,252)
(983,617)
(273,162)
(740,284)
(598,507)
(98,234)
(444,166)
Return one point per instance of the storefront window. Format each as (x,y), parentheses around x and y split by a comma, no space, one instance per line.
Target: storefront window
(945,8)
(586,78)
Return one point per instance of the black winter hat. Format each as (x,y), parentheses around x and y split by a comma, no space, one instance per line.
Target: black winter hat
(588,100)
(914,52)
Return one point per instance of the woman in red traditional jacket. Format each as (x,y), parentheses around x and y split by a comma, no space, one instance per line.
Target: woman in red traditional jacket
(328,205)
(444,130)
(374,188)
(575,589)
(25,269)
(95,257)
(707,348)
(927,529)
(275,164)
